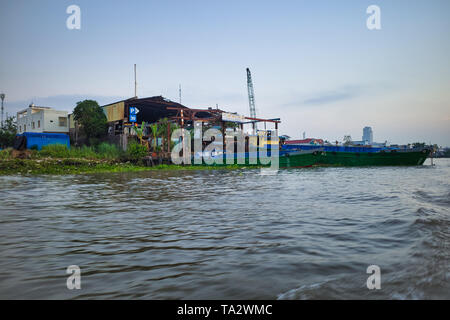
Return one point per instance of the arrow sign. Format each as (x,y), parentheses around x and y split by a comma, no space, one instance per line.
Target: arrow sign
(133,114)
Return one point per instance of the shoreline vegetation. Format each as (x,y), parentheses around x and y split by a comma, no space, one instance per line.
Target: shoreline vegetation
(104,158)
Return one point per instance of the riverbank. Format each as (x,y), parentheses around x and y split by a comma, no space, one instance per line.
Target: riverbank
(104,158)
(86,166)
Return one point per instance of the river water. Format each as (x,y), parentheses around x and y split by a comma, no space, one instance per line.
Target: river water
(301,234)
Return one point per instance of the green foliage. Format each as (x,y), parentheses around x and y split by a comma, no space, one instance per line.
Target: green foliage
(154,128)
(64,166)
(139,130)
(84,152)
(136,151)
(8,133)
(108,151)
(103,151)
(90,116)
(55,151)
(163,125)
(5,154)
(418,144)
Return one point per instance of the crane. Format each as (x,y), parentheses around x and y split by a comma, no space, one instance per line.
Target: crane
(251,98)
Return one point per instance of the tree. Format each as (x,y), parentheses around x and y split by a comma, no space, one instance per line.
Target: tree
(90,116)
(140,134)
(8,133)
(418,145)
(154,128)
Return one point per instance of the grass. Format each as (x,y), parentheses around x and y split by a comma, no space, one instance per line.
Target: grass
(64,166)
(84,166)
(58,159)
(102,151)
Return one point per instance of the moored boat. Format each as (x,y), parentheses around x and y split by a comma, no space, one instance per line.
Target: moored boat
(285,159)
(368,156)
(380,158)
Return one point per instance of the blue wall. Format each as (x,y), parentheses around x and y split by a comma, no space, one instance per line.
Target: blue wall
(43,139)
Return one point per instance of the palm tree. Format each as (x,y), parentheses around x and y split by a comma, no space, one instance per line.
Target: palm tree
(163,129)
(140,132)
(154,128)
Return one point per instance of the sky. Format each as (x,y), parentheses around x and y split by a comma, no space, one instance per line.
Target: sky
(314,63)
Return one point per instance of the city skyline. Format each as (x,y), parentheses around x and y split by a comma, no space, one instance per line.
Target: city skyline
(314,64)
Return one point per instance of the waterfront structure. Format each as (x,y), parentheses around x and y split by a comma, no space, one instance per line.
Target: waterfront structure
(42,120)
(147,110)
(313,141)
(123,115)
(367,137)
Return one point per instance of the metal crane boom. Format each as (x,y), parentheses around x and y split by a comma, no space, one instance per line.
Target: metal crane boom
(251,96)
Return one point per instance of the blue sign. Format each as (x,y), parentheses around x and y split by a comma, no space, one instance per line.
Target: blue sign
(133,114)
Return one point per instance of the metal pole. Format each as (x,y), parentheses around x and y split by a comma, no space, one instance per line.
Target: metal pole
(183,137)
(2,96)
(135,82)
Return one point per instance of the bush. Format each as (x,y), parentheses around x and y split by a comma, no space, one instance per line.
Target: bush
(103,151)
(136,151)
(55,151)
(108,151)
(5,154)
(83,152)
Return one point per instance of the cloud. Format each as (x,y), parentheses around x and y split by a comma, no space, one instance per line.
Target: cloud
(60,102)
(329,97)
(344,93)
(340,94)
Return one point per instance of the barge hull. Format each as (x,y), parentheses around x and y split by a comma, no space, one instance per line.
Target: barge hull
(360,159)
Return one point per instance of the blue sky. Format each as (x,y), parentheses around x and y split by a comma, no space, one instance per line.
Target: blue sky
(314,63)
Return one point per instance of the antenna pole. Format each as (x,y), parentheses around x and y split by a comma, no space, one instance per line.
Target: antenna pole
(135,82)
(179,92)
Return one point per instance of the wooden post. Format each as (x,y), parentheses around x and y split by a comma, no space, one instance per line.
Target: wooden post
(168,137)
(223,138)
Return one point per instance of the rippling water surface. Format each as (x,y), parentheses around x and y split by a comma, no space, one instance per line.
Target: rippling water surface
(300,234)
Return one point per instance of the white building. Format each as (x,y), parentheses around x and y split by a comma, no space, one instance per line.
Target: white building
(367,135)
(42,119)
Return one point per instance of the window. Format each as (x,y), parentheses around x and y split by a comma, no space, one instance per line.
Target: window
(24,127)
(39,123)
(62,121)
(33,124)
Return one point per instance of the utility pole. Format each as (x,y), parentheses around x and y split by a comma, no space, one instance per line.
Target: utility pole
(135,82)
(2,96)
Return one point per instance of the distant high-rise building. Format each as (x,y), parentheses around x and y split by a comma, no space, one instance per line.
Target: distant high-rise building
(367,135)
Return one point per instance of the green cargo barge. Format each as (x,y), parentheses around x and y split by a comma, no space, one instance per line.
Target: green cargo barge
(291,159)
(382,158)
(319,157)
